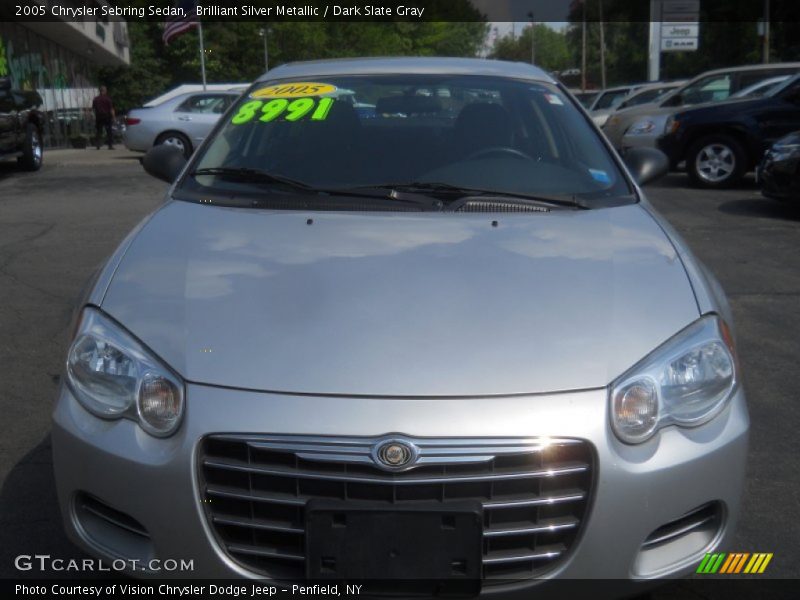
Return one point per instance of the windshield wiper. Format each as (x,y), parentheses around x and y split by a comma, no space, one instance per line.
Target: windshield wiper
(250,175)
(253,176)
(455,192)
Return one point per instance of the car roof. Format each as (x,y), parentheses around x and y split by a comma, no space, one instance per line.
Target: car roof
(408,65)
(619,88)
(186,95)
(758,67)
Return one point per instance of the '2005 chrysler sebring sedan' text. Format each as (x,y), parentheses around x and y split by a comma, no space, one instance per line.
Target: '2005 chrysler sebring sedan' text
(404,318)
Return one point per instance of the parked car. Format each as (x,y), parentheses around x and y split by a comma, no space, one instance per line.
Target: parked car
(182,121)
(721,142)
(639,95)
(648,93)
(779,171)
(451,341)
(642,125)
(585,98)
(21,123)
(194,88)
(608,100)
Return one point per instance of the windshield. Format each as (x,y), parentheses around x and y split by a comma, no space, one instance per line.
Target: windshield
(611,99)
(708,89)
(645,97)
(347,133)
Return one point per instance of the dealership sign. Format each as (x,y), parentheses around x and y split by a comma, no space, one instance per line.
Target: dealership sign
(680,29)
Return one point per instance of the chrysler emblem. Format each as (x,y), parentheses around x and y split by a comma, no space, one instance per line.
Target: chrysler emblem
(394,454)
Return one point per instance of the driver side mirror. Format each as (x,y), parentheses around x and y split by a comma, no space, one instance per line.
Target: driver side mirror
(164,162)
(646,164)
(5,83)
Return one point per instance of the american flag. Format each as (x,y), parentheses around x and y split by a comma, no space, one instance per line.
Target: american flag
(175,26)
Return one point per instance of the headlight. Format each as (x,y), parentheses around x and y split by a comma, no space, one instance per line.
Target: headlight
(672,125)
(782,151)
(641,127)
(685,382)
(113,376)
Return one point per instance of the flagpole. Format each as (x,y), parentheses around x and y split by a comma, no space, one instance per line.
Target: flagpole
(202,52)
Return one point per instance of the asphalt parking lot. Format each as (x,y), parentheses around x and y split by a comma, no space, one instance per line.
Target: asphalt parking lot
(58,225)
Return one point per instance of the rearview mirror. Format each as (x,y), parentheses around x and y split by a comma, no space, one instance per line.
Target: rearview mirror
(646,164)
(164,162)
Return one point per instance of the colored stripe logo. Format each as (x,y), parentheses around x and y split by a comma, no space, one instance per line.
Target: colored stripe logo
(734,562)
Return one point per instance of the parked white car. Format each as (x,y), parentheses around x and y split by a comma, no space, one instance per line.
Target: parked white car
(183,121)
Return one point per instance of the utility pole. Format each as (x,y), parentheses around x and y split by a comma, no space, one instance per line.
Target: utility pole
(202,52)
(654,52)
(533,38)
(583,49)
(264,33)
(602,47)
(766,31)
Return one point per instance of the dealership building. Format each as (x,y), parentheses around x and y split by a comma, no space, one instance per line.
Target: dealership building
(59,60)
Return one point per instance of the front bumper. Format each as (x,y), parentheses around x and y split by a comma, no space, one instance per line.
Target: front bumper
(673,146)
(637,489)
(646,140)
(779,177)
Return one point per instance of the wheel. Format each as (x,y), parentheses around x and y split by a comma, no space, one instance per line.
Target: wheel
(32,151)
(180,141)
(716,161)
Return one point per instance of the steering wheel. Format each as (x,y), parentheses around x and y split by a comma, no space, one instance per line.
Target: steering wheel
(497,151)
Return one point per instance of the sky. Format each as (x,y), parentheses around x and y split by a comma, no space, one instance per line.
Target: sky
(518,10)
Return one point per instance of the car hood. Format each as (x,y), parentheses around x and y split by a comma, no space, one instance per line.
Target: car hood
(399,304)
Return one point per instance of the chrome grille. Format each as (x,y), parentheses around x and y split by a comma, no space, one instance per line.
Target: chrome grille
(534,493)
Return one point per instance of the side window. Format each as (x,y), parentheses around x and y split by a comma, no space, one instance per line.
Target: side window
(748,78)
(202,103)
(610,99)
(225,104)
(708,89)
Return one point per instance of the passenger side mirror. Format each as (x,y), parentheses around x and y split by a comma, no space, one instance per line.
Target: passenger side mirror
(646,164)
(164,162)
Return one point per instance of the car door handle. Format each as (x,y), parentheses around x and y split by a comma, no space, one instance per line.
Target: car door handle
(184,118)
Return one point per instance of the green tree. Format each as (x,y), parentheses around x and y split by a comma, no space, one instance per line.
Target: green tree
(552,52)
(131,86)
(234,51)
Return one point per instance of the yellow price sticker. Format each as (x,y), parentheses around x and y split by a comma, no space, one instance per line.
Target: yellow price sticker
(300,89)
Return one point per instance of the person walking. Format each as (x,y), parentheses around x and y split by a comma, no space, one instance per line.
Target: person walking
(103,109)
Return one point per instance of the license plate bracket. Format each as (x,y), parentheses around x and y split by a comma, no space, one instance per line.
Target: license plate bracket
(355,540)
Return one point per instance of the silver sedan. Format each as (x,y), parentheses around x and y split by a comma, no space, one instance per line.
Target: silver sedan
(447,339)
(183,121)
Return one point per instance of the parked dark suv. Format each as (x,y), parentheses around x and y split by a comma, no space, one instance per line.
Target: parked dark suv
(721,142)
(20,126)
